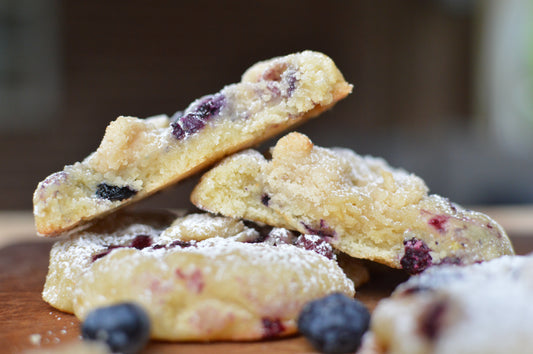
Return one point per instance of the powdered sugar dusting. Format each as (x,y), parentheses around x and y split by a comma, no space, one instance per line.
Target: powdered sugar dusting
(478,308)
(223,240)
(202,226)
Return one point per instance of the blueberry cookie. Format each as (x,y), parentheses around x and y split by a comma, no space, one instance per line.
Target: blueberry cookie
(138,157)
(481,308)
(359,204)
(202,278)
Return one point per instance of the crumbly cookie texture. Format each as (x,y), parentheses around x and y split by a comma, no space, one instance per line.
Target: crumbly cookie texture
(360,204)
(202,278)
(138,157)
(481,308)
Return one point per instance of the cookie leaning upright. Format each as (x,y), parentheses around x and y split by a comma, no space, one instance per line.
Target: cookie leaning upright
(138,157)
(360,204)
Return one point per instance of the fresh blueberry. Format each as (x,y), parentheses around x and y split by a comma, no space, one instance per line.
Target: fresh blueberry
(125,327)
(334,324)
(114,193)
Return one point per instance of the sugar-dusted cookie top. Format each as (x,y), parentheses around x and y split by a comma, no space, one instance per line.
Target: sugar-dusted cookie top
(359,204)
(138,157)
(201,277)
(480,308)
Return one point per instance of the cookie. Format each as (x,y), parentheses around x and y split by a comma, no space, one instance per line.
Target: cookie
(481,308)
(359,204)
(138,157)
(202,278)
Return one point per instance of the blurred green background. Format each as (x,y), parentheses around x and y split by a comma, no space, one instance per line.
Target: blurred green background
(442,88)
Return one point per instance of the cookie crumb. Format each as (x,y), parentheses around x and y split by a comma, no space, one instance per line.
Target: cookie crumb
(35,339)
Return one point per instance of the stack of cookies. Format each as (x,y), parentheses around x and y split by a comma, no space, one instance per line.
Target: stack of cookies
(274,228)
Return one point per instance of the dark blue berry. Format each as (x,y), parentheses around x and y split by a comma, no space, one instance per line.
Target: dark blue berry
(272,328)
(141,241)
(180,244)
(432,320)
(334,324)
(114,193)
(192,123)
(265,199)
(416,258)
(315,244)
(322,229)
(196,118)
(210,106)
(125,328)
(177,130)
(291,79)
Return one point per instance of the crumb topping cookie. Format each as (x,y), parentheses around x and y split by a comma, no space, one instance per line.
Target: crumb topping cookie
(201,278)
(138,157)
(359,204)
(481,308)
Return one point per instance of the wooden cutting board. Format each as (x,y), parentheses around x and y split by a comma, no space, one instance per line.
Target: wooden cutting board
(24,316)
(27,322)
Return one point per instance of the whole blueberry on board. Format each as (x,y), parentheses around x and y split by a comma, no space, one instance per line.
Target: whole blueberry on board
(334,324)
(124,327)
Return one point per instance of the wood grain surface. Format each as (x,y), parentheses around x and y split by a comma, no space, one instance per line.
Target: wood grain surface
(27,322)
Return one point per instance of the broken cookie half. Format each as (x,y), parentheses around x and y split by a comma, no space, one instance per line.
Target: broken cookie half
(138,157)
(359,204)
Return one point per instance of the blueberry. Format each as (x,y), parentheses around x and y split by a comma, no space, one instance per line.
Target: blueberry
(334,324)
(417,256)
(315,243)
(322,229)
(192,123)
(114,193)
(210,106)
(125,327)
(141,241)
(195,119)
(272,328)
(265,199)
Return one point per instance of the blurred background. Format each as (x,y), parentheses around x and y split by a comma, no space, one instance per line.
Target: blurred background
(442,88)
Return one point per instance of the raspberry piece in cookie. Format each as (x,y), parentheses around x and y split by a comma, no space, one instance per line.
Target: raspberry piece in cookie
(202,278)
(479,308)
(359,204)
(138,157)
